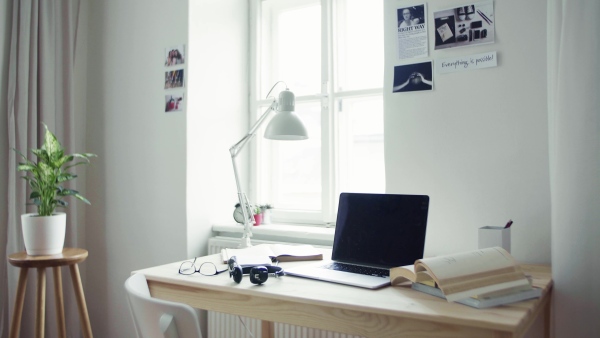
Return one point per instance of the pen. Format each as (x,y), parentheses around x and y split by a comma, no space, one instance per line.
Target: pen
(484,17)
(508,224)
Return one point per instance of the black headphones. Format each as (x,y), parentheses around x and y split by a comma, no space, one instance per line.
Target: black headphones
(258,274)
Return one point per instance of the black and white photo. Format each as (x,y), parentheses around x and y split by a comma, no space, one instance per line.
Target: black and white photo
(412,32)
(413,77)
(466,25)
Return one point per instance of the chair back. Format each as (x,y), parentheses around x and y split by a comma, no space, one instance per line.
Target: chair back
(156,318)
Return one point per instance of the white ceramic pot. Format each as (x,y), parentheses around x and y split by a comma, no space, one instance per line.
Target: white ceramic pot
(44,235)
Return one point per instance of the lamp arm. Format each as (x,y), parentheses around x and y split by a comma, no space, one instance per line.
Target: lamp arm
(242,198)
(236,148)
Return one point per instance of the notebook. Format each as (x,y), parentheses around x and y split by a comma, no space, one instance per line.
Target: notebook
(373,231)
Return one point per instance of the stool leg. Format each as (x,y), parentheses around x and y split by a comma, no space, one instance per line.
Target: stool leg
(15,324)
(41,303)
(60,304)
(83,312)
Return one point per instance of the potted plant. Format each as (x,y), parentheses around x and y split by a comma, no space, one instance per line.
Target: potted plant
(257,215)
(266,213)
(44,231)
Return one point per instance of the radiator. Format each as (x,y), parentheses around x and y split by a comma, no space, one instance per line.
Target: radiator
(221,325)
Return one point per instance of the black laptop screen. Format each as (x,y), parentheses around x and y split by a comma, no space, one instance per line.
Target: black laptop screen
(383,230)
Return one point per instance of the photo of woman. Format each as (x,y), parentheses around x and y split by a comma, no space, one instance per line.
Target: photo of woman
(175,55)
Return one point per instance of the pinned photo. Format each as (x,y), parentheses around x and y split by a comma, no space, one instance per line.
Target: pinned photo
(175,55)
(467,25)
(173,102)
(413,77)
(412,32)
(174,79)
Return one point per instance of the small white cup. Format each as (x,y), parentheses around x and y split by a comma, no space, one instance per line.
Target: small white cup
(490,236)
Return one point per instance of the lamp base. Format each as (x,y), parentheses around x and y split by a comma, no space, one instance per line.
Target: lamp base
(245,243)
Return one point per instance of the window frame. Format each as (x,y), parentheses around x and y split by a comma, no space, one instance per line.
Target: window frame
(326,98)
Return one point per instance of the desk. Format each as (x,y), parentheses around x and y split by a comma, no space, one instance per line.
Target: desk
(388,312)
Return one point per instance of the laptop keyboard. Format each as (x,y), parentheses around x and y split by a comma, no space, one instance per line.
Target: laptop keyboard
(363,270)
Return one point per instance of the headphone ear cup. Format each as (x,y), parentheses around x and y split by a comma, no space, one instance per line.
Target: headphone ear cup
(237,274)
(259,275)
(234,270)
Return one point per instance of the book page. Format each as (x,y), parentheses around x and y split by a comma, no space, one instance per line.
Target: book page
(473,273)
(294,250)
(257,250)
(466,263)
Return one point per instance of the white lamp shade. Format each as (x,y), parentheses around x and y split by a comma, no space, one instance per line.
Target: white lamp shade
(286,125)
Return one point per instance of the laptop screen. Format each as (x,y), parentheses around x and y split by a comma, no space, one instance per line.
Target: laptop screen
(383,230)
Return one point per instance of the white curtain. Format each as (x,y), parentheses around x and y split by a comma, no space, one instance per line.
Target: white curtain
(40,89)
(574,122)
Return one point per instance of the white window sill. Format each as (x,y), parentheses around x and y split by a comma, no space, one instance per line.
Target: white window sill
(287,233)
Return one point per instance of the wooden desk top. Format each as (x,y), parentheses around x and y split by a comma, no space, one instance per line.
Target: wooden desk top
(68,256)
(306,302)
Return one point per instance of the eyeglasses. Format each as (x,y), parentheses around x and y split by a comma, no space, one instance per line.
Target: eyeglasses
(205,269)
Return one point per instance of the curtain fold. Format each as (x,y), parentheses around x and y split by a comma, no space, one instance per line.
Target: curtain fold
(574,132)
(40,89)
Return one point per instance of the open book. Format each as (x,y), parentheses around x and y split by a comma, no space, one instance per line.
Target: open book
(466,274)
(281,252)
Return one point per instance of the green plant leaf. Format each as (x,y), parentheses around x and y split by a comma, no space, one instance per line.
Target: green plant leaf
(67,192)
(83,199)
(65,177)
(42,154)
(26,167)
(61,161)
(34,194)
(51,145)
(61,203)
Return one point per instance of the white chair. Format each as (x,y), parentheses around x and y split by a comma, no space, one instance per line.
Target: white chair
(156,318)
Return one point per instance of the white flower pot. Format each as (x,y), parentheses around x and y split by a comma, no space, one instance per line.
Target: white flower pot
(44,235)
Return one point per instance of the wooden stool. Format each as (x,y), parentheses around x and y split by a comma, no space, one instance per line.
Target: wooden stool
(70,257)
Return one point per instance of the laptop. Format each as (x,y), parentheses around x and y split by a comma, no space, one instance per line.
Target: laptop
(373,233)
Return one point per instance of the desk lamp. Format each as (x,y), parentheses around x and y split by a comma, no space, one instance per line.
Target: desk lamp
(285,125)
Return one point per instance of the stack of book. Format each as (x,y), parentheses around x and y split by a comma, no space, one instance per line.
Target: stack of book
(481,278)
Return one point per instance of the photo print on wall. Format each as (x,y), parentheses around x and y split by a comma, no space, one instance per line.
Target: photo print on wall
(412,32)
(467,25)
(175,55)
(174,102)
(174,79)
(413,77)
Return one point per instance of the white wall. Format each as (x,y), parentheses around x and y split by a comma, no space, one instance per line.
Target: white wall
(137,185)
(478,143)
(218,112)
(147,207)
(217,115)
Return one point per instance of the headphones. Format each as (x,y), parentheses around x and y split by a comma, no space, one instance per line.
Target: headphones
(258,274)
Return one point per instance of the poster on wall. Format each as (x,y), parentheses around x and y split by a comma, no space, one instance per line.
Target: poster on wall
(174,79)
(175,55)
(413,77)
(412,32)
(467,25)
(173,102)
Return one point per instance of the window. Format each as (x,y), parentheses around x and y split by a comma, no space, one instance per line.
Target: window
(330,54)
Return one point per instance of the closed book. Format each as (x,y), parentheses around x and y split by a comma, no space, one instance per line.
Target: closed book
(484,301)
